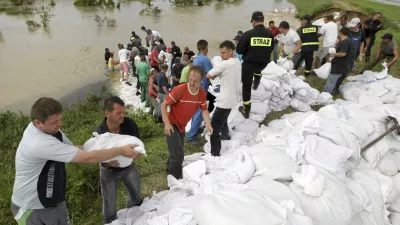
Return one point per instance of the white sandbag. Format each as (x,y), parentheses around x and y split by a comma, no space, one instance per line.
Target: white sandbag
(359,197)
(189,125)
(377,151)
(285,63)
(268,84)
(283,104)
(298,84)
(390,163)
(394,218)
(323,153)
(324,71)
(395,204)
(248,126)
(309,179)
(376,89)
(259,108)
(194,171)
(143,219)
(393,85)
(333,206)
(299,105)
(216,61)
(389,98)
(325,98)
(374,184)
(238,208)
(110,140)
(273,69)
(383,74)
(272,163)
(235,117)
(302,92)
(128,216)
(192,158)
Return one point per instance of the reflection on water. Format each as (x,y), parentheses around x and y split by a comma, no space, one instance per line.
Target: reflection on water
(50,61)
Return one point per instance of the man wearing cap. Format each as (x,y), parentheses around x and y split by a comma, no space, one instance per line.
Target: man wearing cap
(372,26)
(358,40)
(135,40)
(329,32)
(310,44)
(388,50)
(176,72)
(275,31)
(290,42)
(256,46)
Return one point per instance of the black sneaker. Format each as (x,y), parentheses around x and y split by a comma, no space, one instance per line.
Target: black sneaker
(128,83)
(226,138)
(138,93)
(256,84)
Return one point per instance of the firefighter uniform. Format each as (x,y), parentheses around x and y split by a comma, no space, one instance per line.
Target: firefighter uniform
(310,44)
(256,46)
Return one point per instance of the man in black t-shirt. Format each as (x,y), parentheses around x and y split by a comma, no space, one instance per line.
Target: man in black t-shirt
(175,51)
(110,173)
(188,52)
(176,72)
(371,27)
(340,61)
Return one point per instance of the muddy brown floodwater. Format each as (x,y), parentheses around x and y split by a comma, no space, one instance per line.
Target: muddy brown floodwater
(66,60)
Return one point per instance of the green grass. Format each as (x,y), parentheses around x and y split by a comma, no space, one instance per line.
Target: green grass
(311,7)
(83,196)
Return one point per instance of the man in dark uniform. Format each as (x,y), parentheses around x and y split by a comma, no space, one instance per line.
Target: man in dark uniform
(372,26)
(256,46)
(110,173)
(310,44)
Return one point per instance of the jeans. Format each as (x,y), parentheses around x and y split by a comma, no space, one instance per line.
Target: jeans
(144,96)
(219,123)
(175,144)
(371,43)
(331,82)
(161,98)
(109,178)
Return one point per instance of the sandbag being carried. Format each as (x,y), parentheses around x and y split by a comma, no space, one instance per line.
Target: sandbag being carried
(324,71)
(110,140)
(285,63)
(238,208)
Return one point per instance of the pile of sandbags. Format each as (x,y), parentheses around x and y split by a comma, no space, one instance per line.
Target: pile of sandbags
(372,87)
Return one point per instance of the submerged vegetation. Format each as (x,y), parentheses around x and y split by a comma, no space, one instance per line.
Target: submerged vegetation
(111,22)
(104,3)
(32,24)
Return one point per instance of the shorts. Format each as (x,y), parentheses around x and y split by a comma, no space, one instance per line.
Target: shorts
(324,51)
(124,67)
(51,216)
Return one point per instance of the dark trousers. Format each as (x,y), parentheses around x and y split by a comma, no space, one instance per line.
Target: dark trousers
(109,178)
(308,57)
(175,144)
(211,100)
(250,70)
(219,123)
(156,68)
(371,43)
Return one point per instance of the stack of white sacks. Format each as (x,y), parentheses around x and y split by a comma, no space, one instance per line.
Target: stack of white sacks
(376,87)
(305,168)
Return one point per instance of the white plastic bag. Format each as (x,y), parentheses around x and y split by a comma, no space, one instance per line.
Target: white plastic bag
(110,140)
(324,71)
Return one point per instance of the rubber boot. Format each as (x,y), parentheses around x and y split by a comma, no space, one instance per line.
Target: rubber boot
(245,110)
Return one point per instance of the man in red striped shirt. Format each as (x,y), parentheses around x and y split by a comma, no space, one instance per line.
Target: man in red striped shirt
(275,31)
(184,100)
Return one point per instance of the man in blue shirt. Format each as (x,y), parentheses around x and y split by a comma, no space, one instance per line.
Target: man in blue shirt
(203,61)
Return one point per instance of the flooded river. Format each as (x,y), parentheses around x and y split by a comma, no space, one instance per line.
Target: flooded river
(66,61)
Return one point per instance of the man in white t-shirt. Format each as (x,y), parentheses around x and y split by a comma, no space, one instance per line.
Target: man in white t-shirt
(123,60)
(229,73)
(40,179)
(290,42)
(329,32)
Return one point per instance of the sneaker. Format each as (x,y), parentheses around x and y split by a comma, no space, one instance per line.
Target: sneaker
(128,83)
(147,105)
(226,138)
(194,142)
(138,93)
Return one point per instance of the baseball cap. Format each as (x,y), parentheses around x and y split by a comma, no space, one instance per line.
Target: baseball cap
(284,25)
(177,60)
(307,17)
(257,16)
(387,36)
(354,22)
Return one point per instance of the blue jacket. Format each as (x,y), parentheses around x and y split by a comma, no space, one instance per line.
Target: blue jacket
(205,63)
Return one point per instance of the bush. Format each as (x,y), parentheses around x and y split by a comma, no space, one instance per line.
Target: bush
(22,2)
(32,24)
(105,3)
(151,11)
(52,3)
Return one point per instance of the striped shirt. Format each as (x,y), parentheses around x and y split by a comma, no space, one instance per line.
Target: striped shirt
(184,105)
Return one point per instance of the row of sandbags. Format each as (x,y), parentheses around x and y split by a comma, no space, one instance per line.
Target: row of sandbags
(372,87)
(305,168)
